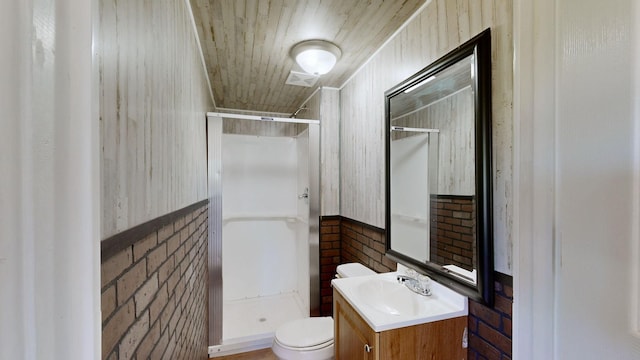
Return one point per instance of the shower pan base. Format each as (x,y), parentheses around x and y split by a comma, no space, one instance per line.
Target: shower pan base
(250,324)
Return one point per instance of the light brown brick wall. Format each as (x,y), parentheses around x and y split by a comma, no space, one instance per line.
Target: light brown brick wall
(329,260)
(343,240)
(364,244)
(154,294)
(490,328)
(453,234)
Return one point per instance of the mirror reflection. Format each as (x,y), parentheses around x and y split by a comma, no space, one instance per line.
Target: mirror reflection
(439,202)
(432,168)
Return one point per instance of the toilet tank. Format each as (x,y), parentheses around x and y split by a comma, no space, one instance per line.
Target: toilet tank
(352,270)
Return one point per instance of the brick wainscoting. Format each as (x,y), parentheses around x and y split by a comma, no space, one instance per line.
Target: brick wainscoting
(154,289)
(364,244)
(452,236)
(489,328)
(329,259)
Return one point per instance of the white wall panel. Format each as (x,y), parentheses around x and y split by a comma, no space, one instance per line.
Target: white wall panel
(302,239)
(49,203)
(153,100)
(260,210)
(594,180)
(259,176)
(410,174)
(440,27)
(259,258)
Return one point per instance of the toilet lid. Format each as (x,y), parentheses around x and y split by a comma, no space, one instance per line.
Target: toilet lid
(306,332)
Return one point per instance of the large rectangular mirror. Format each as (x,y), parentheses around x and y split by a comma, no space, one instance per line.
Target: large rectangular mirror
(438,171)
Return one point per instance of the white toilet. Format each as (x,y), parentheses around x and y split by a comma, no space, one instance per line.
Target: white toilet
(312,338)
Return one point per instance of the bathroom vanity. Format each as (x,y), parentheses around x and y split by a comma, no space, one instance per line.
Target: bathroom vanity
(375,317)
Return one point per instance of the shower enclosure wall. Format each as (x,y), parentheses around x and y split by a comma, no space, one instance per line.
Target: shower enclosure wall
(261,277)
(411,219)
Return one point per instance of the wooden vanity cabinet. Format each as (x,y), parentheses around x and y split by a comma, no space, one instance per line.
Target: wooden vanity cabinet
(355,340)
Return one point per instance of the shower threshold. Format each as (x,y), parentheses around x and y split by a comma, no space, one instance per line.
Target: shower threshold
(250,324)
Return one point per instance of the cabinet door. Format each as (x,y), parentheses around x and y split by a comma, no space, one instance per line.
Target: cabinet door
(354,340)
(436,340)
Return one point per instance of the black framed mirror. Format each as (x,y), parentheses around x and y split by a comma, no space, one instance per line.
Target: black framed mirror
(438,170)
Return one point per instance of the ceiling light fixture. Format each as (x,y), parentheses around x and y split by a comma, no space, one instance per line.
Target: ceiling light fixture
(316,57)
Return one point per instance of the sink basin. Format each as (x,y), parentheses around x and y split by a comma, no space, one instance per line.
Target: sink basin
(389,297)
(385,304)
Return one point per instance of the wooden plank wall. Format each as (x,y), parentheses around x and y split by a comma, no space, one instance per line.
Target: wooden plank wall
(330,151)
(324,105)
(153,100)
(259,128)
(453,116)
(439,28)
(329,115)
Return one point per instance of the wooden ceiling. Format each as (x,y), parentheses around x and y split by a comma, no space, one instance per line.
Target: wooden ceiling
(246,44)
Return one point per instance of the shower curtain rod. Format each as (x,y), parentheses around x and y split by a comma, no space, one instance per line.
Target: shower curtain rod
(263,118)
(409,129)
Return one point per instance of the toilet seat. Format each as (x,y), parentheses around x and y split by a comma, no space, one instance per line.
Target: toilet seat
(310,348)
(305,339)
(306,333)
(285,353)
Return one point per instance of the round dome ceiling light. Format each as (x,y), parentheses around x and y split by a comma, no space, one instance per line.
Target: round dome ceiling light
(316,57)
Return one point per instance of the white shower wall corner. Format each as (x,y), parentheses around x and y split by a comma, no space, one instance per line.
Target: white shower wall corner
(265,227)
(303,185)
(264,266)
(410,218)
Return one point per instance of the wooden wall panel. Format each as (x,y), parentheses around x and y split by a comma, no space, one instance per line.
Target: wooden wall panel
(453,116)
(312,106)
(439,28)
(153,100)
(330,151)
(324,105)
(259,128)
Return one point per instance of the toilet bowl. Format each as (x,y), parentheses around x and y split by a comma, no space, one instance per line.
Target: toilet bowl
(305,339)
(312,338)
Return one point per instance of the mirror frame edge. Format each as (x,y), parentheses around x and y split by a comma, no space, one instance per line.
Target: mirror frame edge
(480,45)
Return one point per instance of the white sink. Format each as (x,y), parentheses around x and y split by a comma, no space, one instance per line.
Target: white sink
(385,304)
(389,297)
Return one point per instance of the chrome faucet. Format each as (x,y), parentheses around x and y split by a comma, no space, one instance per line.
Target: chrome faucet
(419,284)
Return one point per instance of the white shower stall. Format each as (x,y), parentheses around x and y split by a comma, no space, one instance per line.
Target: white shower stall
(264,236)
(410,174)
